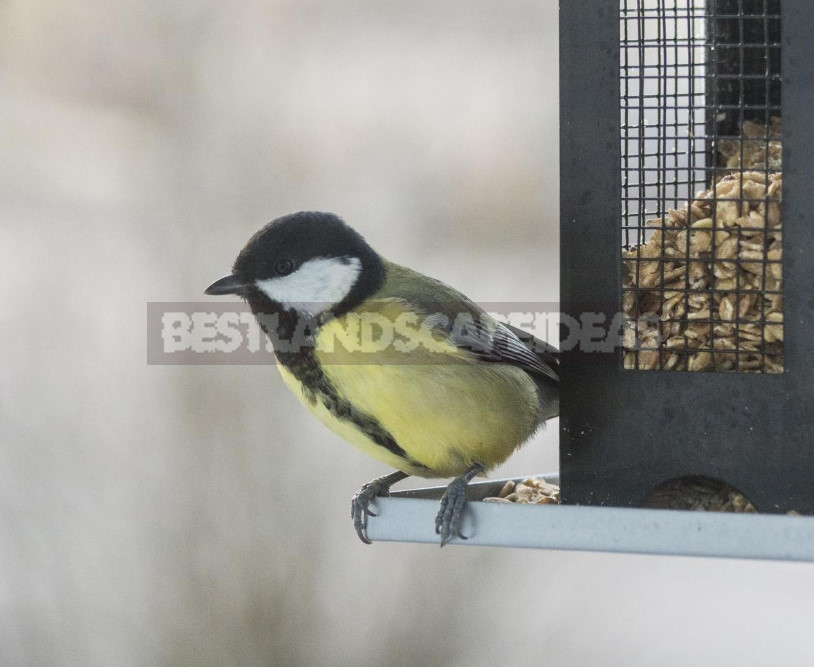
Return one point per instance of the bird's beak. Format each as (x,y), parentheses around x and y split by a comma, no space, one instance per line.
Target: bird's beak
(229,285)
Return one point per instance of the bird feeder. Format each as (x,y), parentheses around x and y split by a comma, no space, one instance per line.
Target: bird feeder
(686,167)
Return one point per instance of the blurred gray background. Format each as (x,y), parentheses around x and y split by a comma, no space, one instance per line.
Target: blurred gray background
(169,515)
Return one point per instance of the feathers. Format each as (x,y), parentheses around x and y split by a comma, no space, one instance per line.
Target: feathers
(467,325)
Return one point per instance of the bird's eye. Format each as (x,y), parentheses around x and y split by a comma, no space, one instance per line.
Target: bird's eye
(283,267)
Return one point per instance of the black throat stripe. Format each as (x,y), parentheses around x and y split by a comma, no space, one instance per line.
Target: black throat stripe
(317,387)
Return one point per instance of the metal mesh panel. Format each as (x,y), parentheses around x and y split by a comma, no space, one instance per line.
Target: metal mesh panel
(701,185)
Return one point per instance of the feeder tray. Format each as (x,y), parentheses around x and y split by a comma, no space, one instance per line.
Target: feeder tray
(409,516)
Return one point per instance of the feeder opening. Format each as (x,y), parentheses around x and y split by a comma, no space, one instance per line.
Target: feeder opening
(697,493)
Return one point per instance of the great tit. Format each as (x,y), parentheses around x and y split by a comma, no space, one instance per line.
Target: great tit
(402,366)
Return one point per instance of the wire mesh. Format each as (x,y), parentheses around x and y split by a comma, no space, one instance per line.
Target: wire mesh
(701,193)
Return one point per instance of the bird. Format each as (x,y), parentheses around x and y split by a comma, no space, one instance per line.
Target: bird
(402,366)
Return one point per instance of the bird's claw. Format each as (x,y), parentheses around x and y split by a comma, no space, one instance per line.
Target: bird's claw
(360,507)
(449,519)
(360,503)
(450,516)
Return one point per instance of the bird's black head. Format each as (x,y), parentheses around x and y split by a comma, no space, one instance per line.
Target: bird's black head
(308,262)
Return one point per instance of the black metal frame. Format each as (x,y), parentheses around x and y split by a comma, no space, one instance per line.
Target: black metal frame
(623,432)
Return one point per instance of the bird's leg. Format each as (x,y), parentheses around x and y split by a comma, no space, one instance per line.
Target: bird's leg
(360,504)
(450,516)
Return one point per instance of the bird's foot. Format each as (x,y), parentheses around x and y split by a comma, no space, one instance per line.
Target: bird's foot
(449,520)
(360,504)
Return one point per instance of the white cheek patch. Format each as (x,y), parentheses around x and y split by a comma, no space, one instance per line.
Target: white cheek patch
(316,286)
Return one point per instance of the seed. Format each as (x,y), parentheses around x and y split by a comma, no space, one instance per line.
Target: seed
(723,253)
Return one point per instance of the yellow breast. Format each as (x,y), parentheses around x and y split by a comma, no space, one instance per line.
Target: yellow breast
(444,410)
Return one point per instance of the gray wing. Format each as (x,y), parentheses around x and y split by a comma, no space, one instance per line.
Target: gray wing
(494,341)
(470,327)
